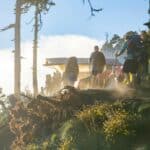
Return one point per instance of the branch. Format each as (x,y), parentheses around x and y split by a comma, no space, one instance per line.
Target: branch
(93,10)
(8,27)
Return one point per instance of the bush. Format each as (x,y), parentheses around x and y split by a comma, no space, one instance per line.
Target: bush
(102,126)
(120,123)
(3,118)
(43,124)
(94,116)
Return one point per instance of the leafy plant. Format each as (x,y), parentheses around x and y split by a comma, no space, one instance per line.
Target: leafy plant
(94,116)
(3,118)
(119,124)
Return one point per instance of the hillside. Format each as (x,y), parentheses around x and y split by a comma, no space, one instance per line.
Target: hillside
(82,119)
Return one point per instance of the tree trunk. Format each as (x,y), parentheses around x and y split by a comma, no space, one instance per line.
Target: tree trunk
(35,46)
(17,65)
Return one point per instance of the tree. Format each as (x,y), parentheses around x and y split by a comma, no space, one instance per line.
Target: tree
(21,7)
(113,45)
(35,46)
(41,6)
(17,62)
(115,39)
(17,56)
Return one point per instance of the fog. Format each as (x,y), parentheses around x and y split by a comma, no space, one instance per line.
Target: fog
(50,46)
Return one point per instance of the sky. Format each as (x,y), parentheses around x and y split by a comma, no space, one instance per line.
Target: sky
(68,30)
(73,18)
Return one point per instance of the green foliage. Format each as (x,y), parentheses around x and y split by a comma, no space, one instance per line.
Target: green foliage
(119,124)
(115,39)
(32,147)
(105,126)
(144,107)
(66,144)
(94,116)
(115,43)
(37,119)
(102,126)
(113,120)
(78,137)
(3,118)
(43,5)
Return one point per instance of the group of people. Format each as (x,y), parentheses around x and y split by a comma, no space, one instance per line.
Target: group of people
(134,69)
(135,66)
(97,63)
(52,84)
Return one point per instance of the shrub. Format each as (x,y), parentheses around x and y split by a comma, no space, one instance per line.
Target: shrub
(94,116)
(3,118)
(32,147)
(119,124)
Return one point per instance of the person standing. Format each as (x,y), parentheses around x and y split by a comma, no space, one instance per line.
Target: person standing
(133,47)
(97,63)
(71,72)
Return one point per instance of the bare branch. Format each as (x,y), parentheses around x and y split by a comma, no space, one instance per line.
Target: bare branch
(93,10)
(8,27)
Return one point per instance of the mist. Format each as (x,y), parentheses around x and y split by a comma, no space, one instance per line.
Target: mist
(50,46)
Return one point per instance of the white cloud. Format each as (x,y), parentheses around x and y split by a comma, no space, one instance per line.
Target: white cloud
(50,46)
(68,45)
(6,69)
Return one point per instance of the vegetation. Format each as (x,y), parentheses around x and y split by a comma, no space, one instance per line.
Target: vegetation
(78,119)
(73,119)
(116,42)
(3,119)
(91,130)
(71,123)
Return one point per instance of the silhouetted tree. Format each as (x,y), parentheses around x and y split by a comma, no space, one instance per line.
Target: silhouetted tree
(22,6)
(17,62)
(115,43)
(35,46)
(41,6)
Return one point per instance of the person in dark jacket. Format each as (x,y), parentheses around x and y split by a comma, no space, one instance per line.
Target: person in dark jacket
(97,61)
(97,65)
